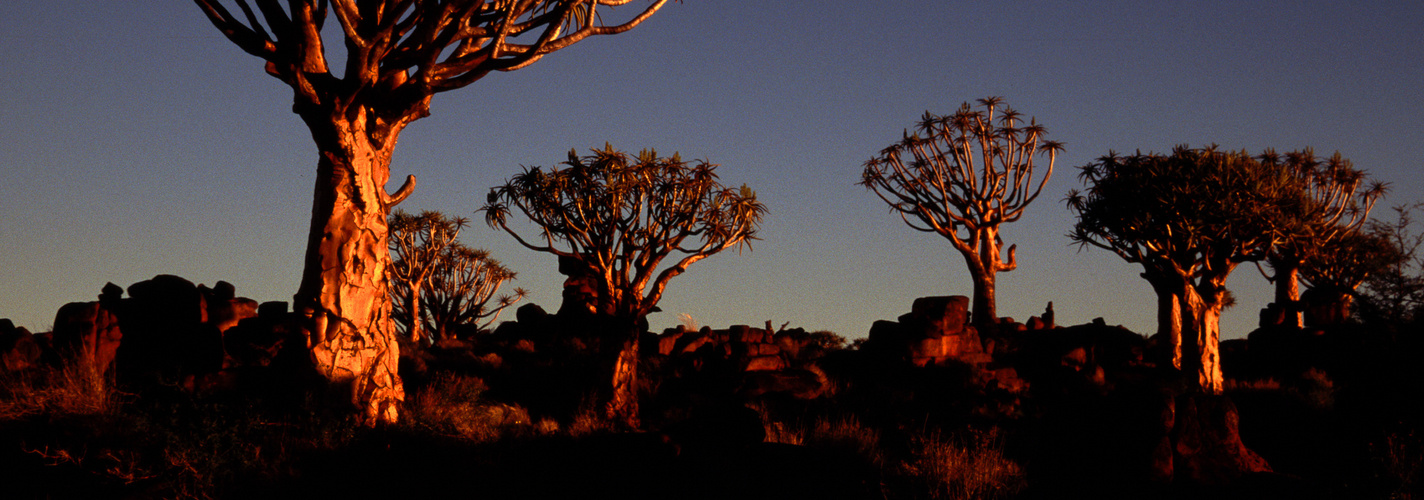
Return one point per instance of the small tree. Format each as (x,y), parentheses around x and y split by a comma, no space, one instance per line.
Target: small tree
(1394,296)
(453,282)
(970,173)
(1338,202)
(1189,219)
(397,55)
(1339,266)
(417,244)
(621,216)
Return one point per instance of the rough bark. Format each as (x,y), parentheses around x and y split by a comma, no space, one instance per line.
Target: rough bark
(623,403)
(1169,315)
(344,285)
(984,313)
(985,262)
(1201,306)
(1287,296)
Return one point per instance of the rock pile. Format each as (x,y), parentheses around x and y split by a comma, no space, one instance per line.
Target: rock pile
(167,330)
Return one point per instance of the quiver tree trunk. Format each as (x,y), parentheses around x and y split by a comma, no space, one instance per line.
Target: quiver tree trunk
(985,314)
(1287,296)
(623,402)
(344,284)
(1169,314)
(1202,335)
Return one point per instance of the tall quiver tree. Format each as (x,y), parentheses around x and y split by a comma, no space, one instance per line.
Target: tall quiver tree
(962,176)
(398,54)
(1338,201)
(621,216)
(1189,219)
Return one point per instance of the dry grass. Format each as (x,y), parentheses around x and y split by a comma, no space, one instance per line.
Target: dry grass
(1402,459)
(972,467)
(848,434)
(451,405)
(590,419)
(75,389)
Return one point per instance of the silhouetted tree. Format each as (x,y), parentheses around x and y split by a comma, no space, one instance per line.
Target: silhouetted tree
(1394,296)
(455,283)
(397,55)
(1338,202)
(968,174)
(621,216)
(1189,219)
(1339,266)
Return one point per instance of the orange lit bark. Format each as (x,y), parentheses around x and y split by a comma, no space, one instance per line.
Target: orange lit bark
(623,404)
(1288,292)
(1201,308)
(344,288)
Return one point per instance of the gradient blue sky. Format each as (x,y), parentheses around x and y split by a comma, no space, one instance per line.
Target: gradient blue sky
(135,140)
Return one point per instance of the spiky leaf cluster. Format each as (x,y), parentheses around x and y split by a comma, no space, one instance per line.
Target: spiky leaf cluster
(1338,200)
(1191,212)
(968,170)
(622,215)
(457,283)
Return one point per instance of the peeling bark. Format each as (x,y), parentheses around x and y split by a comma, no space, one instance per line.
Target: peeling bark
(1202,335)
(344,289)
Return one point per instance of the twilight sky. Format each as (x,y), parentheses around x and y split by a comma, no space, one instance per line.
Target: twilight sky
(135,140)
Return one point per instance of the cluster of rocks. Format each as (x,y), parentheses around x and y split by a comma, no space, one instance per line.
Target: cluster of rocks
(936,331)
(167,329)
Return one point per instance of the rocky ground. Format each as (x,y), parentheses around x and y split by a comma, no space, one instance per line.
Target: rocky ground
(189,391)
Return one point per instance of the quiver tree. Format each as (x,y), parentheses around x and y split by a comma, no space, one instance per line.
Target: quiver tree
(1337,203)
(439,284)
(962,176)
(621,216)
(1189,219)
(1394,296)
(398,54)
(1339,266)
(417,243)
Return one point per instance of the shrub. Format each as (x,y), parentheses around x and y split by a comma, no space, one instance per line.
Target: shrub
(451,405)
(590,419)
(847,434)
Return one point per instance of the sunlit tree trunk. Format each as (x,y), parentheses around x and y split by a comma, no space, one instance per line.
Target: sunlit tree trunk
(984,311)
(623,403)
(417,330)
(1288,291)
(1169,317)
(1201,306)
(984,266)
(343,290)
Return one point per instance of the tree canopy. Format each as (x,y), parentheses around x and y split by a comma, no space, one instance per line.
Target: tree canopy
(622,215)
(1189,218)
(438,284)
(969,173)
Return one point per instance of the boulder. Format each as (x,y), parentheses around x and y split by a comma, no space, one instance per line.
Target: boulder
(225,313)
(760,363)
(946,314)
(667,342)
(18,349)
(167,336)
(88,332)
